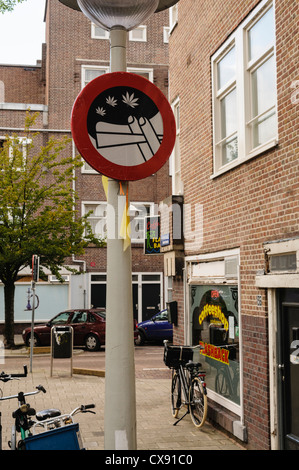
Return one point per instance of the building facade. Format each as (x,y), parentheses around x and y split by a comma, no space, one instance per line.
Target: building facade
(235,279)
(76,52)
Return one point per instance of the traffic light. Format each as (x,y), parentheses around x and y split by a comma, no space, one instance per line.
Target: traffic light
(35,268)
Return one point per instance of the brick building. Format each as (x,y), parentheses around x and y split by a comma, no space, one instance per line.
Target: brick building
(75,52)
(234,90)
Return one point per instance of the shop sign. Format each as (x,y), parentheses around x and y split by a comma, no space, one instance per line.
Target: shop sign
(215,352)
(152,236)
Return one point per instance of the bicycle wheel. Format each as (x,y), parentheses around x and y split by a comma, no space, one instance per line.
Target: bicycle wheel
(198,402)
(176,401)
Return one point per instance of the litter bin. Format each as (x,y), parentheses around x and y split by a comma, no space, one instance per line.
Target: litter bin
(61,344)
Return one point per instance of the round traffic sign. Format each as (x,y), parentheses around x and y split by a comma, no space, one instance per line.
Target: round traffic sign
(123,126)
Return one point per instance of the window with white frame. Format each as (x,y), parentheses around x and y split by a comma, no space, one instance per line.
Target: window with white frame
(177,184)
(173,16)
(99,33)
(137,211)
(18,147)
(244,91)
(2,92)
(90,72)
(138,34)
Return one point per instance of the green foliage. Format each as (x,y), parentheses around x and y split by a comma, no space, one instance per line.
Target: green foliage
(8,5)
(37,200)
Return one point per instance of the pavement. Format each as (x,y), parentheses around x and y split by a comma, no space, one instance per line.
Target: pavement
(66,391)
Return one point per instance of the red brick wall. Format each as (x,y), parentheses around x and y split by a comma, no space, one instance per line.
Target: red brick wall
(253,203)
(22,84)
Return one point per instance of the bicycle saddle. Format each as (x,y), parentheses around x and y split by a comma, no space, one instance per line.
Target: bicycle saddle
(46,414)
(191,365)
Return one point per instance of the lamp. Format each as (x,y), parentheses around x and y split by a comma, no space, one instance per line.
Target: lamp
(163,4)
(127,14)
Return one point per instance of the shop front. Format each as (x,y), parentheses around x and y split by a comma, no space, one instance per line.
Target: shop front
(213,322)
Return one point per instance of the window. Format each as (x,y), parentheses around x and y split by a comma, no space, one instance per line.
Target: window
(138,34)
(90,72)
(18,147)
(244,91)
(2,92)
(173,16)
(177,184)
(99,33)
(137,211)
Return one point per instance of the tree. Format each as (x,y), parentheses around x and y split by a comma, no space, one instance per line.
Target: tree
(37,214)
(8,5)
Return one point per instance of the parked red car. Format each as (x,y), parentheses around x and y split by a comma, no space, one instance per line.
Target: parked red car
(88,325)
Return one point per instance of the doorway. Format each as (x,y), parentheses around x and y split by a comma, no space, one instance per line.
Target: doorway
(288,368)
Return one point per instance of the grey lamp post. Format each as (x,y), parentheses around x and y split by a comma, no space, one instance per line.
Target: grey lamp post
(118,17)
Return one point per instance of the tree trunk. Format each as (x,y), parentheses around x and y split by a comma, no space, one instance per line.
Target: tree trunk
(9,301)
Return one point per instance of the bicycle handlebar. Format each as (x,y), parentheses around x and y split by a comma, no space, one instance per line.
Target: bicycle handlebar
(6,377)
(40,388)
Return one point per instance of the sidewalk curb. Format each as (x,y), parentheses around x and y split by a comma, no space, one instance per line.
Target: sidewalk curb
(98,373)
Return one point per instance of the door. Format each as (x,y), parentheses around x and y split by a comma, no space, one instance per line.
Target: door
(150,300)
(289,373)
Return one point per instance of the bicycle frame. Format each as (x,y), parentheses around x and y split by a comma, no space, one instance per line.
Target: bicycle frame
(187,377)
(5,378)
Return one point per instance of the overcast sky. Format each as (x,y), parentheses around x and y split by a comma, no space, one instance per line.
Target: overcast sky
(22,33)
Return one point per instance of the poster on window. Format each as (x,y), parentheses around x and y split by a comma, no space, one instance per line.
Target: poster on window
(215,326)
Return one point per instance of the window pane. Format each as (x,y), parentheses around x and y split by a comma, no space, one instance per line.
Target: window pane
(100,32)
(227,68)
(261,35)
(263,96)
(91,74)
(229,114)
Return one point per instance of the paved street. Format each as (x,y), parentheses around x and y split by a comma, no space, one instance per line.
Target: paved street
(155,430)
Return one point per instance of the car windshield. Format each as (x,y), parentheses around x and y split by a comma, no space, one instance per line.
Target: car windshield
(61,318)
(161,316)
(101,314)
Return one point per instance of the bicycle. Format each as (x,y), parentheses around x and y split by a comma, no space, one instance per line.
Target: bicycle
(59,431)
(5,378)
(187,377)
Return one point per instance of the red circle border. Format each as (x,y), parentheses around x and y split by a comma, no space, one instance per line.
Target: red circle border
(82,140)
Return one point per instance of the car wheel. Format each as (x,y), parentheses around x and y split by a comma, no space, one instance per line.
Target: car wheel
(92,343)
(35,340)
(140,340)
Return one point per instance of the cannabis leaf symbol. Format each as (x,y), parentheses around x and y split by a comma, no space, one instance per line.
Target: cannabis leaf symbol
(101,111)
(111,101)
(130,100)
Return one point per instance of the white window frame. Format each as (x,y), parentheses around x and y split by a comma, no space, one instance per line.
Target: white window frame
(22,142)
(94,35)
(177,183)
(143,29)
(239,40)
(173,17)
(84,68)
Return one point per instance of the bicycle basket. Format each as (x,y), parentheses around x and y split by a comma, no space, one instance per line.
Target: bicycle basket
(176,355)
(65,438)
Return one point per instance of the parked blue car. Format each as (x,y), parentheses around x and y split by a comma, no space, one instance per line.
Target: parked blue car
(157,328)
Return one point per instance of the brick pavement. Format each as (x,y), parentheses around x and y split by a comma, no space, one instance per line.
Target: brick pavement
(155,430)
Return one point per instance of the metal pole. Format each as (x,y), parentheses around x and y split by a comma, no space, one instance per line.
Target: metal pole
(120,395)
(32,324)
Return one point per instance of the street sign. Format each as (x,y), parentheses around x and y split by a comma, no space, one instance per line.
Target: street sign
(123,126)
